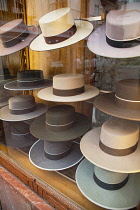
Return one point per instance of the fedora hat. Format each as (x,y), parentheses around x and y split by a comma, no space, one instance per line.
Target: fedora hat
(119,37)
(114,146)
(59,29)
(17,135)
(22,108)
(68,88)
(28,80)
(60,123)
(54,156)
(16,35)
(108,189)
(125,103)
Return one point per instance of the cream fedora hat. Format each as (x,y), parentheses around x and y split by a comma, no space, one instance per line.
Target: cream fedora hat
(59,29)
(108,189)
(22,108)
(120,36)
(115,146)
(68,88)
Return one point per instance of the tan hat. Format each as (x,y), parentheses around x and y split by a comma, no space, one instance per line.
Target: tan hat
(115,146)
(119,37)
(68,88)
(15,35)
(59,29)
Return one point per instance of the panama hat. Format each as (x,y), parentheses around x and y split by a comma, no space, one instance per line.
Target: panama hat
(59,29)
(119,37)
(125,103)
(16,35)
(108,189)
(28,80)
(114,146)
(68,88)
(22,108)
(60,123)
(17,135)
(54,156)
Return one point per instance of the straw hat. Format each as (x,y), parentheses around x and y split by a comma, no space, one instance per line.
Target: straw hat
(68,88)
(125,103)
(28,80)
(54,156)
(119,37)
(17,135)
(22,108)
(16,35)
(108,189)
(114,146)
(60,123)
(59,29)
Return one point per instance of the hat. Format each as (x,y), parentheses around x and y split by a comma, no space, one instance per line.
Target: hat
(16,35)
(59,29)
(22,108)
(28,80)
(125,103)
(4,95)
(108,189)
(54,156)
(119,37)
(17,135)
(68,88)
(114,146)
(60,123)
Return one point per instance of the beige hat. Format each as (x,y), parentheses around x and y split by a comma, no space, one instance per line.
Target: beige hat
(114,146)
(59,29)
(119,37)
(68,88)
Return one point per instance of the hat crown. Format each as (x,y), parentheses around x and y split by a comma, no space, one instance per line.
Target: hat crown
(119,133)
(21,102)
(56,22)
(28,75)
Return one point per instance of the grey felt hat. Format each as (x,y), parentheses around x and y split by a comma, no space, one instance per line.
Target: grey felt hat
(28,80)
(22,108)
(108,189)
(60,123)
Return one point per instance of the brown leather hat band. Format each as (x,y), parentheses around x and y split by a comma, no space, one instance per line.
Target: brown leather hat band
(71,92)
(117,152)
(22,111)
(29,83)
(60,128)
(61,37)
(57,156)
(127,104)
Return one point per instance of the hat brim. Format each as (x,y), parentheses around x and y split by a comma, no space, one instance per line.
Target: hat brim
(98,45)
(14,85)
(84,28)
(37,158)
(124,164)
(33,32)
(39,129)
(47,94)
(7,116)
(106,103)
(125,198)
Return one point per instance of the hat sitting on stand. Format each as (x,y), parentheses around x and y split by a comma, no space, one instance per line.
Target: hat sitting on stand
(59,29)
(68,88)
(125,103)
(115,146)
(108,189)
(28,80)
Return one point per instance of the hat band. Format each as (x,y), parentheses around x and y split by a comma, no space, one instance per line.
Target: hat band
(71,92)
(107,186)
(127,104)
(58,156)
(30,83)
(16,40)
(22,111)
(60,127)
(123,44)
(61,37)
(117,152)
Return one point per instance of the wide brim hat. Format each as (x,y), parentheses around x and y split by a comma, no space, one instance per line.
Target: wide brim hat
(125,198)
(37,157)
